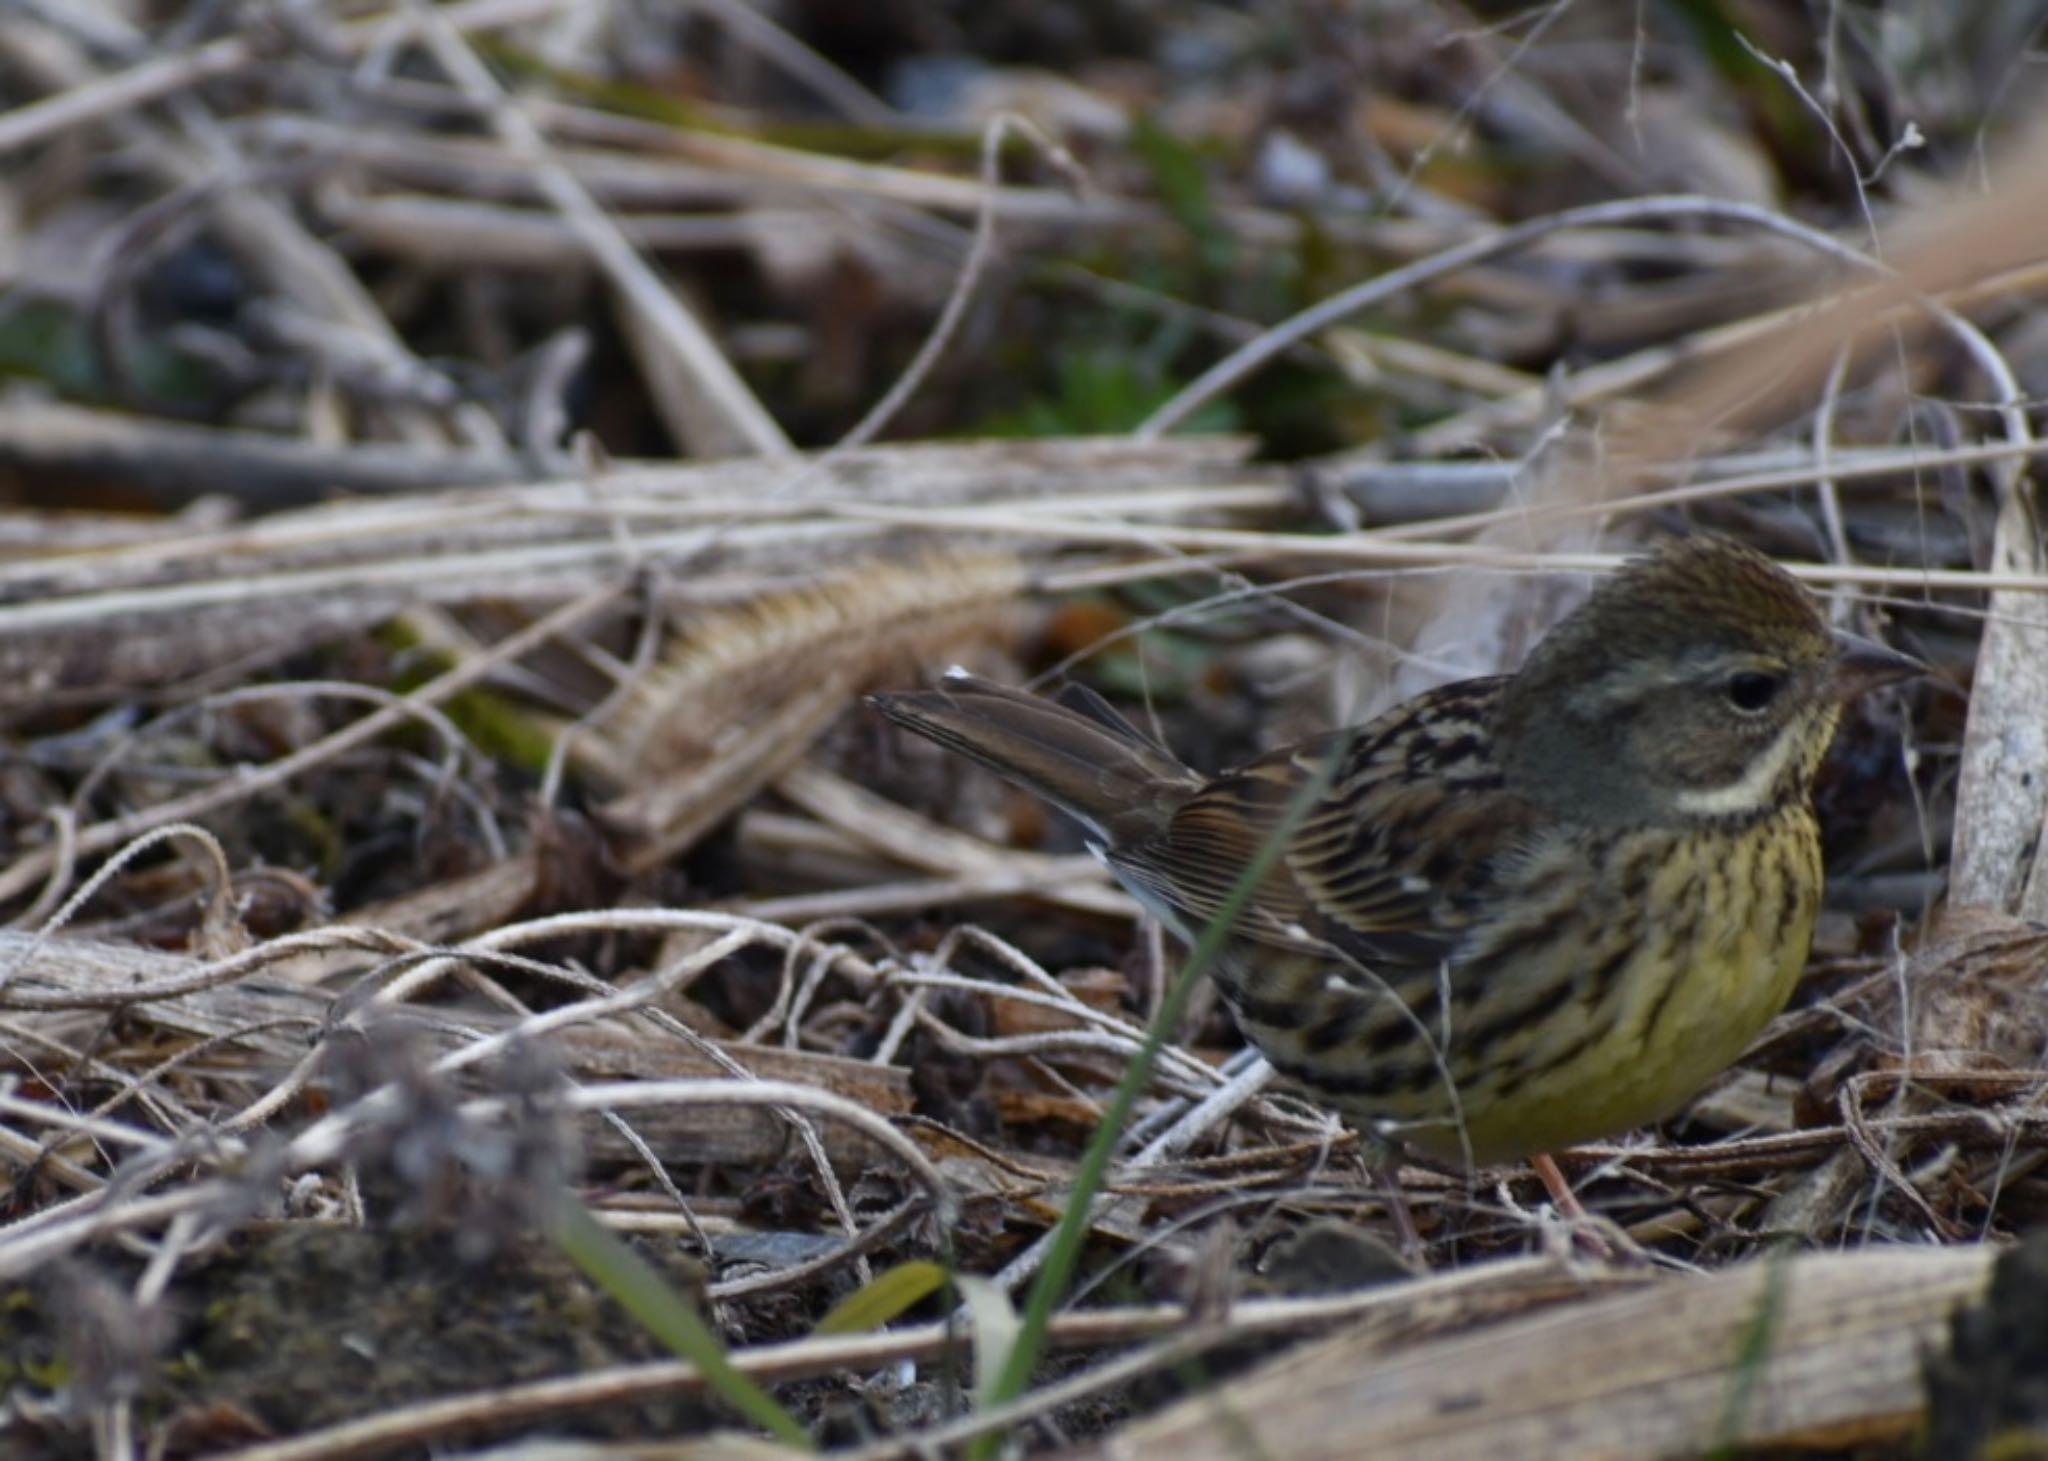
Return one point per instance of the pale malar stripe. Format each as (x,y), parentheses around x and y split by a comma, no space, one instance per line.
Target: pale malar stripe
(1755,789)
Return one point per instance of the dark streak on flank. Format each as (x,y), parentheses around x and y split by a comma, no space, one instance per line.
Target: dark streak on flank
(1547,1003)
(1600,984)
(1274,1014)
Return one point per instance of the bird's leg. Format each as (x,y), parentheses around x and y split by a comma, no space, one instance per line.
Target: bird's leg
(1596,1237)
(1388,1179)
(1382,1160)
(1568,1205)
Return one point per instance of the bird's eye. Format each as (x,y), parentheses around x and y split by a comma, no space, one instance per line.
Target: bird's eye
(1751,690)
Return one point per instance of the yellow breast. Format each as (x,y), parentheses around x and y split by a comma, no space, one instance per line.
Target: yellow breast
(1691,947)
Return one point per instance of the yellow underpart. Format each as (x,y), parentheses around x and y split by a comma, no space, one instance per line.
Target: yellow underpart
(1724,933)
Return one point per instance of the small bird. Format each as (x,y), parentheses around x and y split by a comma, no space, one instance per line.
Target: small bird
(1514,913)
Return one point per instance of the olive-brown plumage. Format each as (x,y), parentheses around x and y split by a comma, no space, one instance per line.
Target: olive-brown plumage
(1518,912)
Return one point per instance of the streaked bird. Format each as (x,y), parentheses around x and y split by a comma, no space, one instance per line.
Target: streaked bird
(1516,912)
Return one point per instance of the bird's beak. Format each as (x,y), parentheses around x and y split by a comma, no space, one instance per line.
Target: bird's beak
(1862,665)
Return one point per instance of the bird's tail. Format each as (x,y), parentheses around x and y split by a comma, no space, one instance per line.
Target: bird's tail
(1076,751)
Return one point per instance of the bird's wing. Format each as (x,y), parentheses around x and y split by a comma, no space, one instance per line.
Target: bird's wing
(1391,861)
(1189,871)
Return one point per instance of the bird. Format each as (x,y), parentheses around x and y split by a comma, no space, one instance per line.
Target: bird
(1515,913)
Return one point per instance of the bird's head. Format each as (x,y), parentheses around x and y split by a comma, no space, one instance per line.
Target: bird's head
(1699,681)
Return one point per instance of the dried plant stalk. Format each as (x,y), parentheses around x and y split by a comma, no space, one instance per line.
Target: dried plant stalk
(746,692)
(1769,1353)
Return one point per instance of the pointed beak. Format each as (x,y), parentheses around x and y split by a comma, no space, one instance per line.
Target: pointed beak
(1862,665)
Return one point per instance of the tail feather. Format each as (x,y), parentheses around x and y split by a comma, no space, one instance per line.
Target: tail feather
(1085,759)
(1086,703)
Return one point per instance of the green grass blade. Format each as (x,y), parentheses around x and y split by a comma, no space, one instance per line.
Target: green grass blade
(1072,1233)
(614,1267)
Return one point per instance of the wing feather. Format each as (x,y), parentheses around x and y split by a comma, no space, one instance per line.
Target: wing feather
(1391,864)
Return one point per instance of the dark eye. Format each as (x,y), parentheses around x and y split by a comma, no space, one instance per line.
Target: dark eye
(1752,690)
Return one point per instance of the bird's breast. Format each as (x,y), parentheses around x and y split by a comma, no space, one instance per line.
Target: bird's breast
(1614,974)
(1689,941)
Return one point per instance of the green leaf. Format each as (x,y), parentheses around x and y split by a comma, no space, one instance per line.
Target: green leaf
(884,1297)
